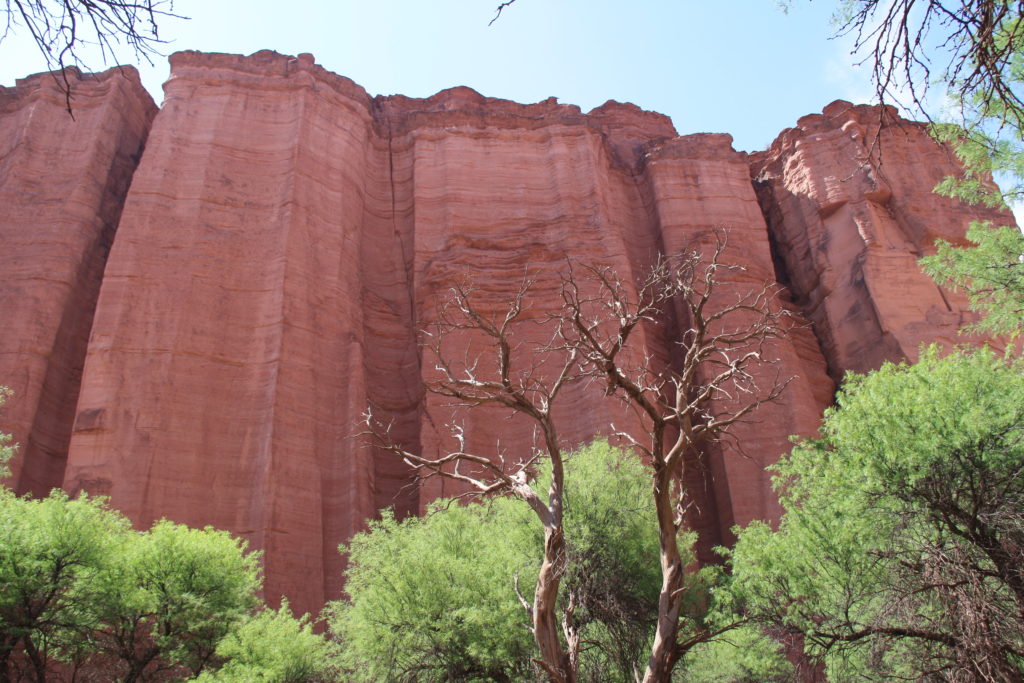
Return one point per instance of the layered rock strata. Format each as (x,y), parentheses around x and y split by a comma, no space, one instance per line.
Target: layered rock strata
(63,181)
(287,237)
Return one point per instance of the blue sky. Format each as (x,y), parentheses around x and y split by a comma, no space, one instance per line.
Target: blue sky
(743,67)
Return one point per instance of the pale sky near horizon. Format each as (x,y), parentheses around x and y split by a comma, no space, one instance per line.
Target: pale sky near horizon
(743,67)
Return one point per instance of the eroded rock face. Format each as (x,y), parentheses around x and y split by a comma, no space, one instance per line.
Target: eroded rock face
(287,237)
(850,208)
(62,185)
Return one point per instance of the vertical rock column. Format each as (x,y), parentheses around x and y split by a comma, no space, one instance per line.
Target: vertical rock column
(63,178)
(701,187)
(391,352)
(226,363)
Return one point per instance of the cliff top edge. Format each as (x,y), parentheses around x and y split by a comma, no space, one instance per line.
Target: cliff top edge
(460,98)
(80,83)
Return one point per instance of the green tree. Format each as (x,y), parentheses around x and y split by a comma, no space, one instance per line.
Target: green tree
(273,646)
(170,595)
(435,598)
(991,272)
(431,598)
(52,552)
(80,589)
(744,655)
(901,550)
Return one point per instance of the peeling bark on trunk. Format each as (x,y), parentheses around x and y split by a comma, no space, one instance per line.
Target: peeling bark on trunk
(664,652)
(555,660)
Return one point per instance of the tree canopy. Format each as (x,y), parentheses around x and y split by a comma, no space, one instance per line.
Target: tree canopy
(83,593)
(435,598)
(166,597)
(276,647)
(439,598)
(902,545)
(52,553)
(991,272)
(79,587)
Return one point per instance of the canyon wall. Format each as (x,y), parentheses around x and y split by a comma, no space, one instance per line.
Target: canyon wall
(202,345)
(63,183)
(847,195)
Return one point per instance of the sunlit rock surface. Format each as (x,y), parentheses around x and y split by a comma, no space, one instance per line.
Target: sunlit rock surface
(850,208)
(286,238)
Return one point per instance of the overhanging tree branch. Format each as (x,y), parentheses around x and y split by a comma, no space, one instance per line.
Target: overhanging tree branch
(64,30)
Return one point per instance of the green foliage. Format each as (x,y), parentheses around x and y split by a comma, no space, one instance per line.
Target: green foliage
(743,655)
(431,598)
(52,552)
(79,587)
(989,140)
(273,646)
(434,599)
(936,412)
(613,574)
(6,449)
(170,594)
(900,549)
(992,274)
(981,155)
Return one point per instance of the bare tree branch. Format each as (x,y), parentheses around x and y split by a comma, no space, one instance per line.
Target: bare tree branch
(596,338)
(517,378)
(728,327)
(499,10)
(63,29)
(976,38)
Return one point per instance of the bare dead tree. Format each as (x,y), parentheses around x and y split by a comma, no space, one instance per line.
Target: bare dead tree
(529,390)
(715,385)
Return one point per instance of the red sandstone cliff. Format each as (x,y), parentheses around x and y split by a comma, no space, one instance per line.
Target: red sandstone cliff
(850,208)
(62,186)
(286,236)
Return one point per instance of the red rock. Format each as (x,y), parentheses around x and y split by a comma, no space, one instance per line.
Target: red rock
(287,237)
(850,207)
(681,173)
(225,375)
(62,185)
